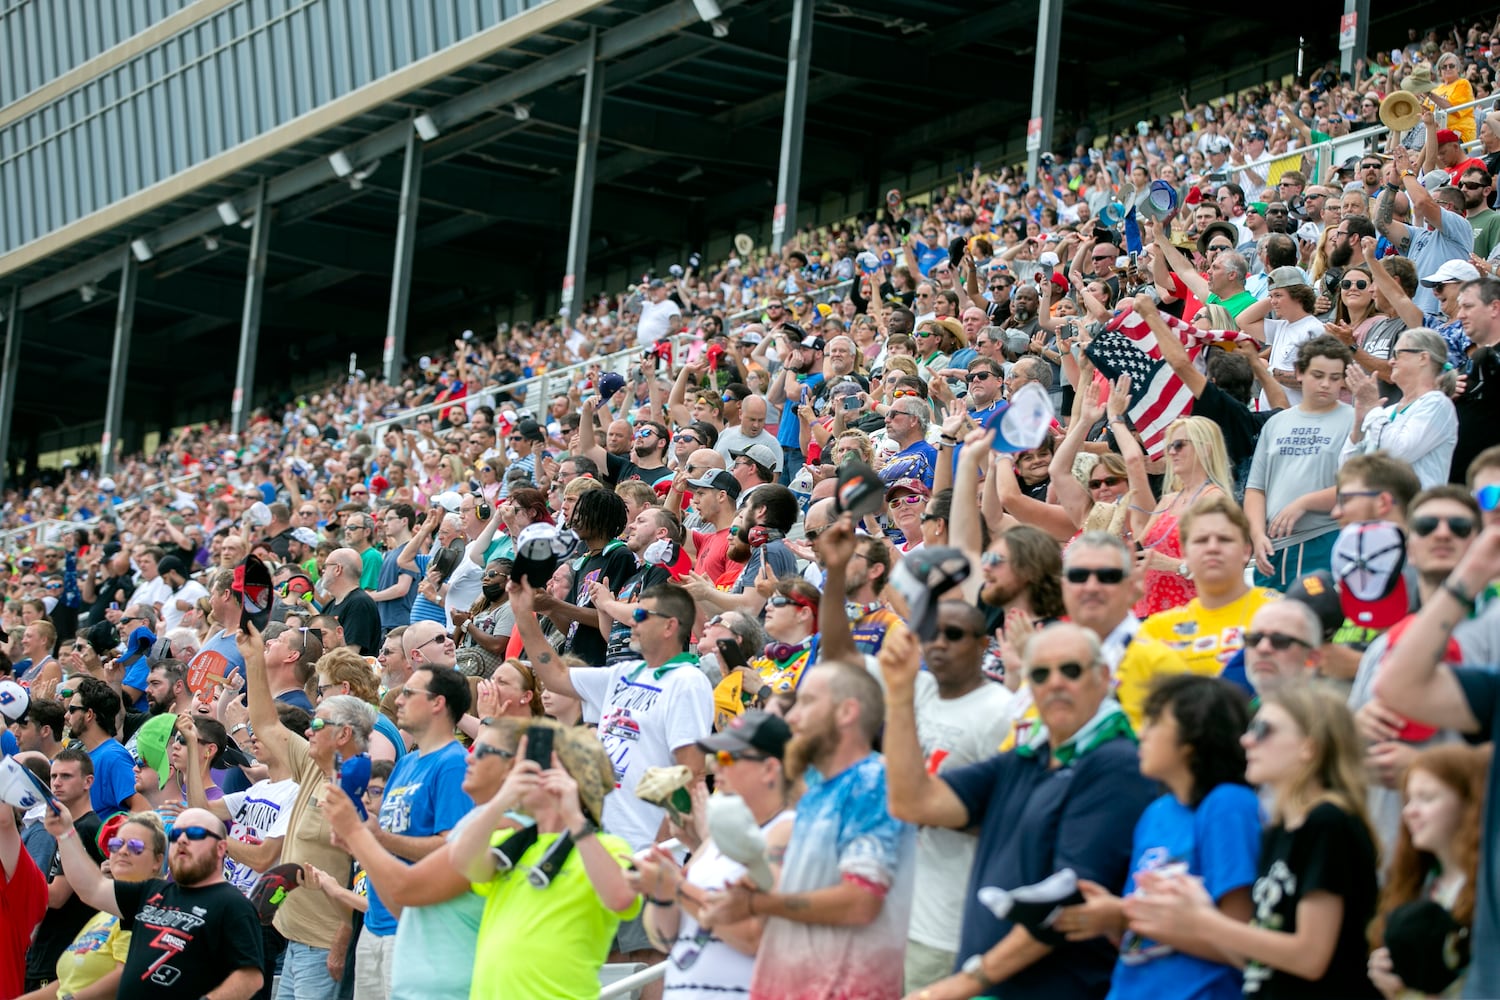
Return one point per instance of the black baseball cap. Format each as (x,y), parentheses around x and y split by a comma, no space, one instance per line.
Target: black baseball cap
(717,479)
(754,730)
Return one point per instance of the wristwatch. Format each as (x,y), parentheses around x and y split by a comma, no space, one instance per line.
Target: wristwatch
(974,969)
(1182,570)
(588,829)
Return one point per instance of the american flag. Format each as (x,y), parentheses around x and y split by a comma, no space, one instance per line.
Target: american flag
(1157,395)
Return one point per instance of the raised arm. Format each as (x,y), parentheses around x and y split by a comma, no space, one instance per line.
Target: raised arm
(588,439)
(549,667)
(1181,266)
(85,878)
(1071,495)
(913,793)
(407,560)
(1401,304)
(964,530)
(1173,352)
(273,736)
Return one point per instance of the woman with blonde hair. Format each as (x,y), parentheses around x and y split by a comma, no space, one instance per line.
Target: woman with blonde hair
(1436,857)
(1197,466)
(1315,890)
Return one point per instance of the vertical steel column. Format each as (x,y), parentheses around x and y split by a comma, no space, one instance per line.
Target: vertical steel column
(789,169)
(1043,85)
(1359,47)
(255,285)
(9,372)
(583,175)
(406,244)
(119,363)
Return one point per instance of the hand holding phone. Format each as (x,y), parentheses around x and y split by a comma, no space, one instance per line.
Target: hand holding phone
(539,745)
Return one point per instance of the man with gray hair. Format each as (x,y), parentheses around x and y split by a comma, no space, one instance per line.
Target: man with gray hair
(317,932)
(359,535)
(355,609)
(906,424)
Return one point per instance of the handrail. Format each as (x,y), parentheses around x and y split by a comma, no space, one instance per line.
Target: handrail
(10,538)
(631,983)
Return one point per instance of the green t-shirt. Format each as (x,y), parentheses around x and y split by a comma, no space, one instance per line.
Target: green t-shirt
(1236,304)
(566,930)
(369,574)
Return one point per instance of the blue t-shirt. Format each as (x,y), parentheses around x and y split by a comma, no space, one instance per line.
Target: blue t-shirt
(136,674)
(917,460)
(1220,843)
(221,655)
(9,747)
(114,778)
(423,610)
(789,431)
(397,611)
(1074,818)
(385,727)
(423,797)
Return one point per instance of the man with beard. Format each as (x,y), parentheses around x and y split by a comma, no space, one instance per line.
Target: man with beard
(647,460)
(759,541)
(187,929)
(138,627)
(1031,823)
(1478,187)
(167,690)
(1345,250)
(798,382)
(424,799)
(836,924)
(598,519)
(650,534)
(1020,575)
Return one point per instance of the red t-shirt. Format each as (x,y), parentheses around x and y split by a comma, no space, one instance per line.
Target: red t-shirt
(713,550)
(23,903)
(1457,170)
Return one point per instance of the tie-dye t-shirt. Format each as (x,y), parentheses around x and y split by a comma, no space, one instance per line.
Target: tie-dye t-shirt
(843,832)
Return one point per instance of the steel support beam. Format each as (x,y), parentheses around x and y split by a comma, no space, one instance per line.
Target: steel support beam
(119,362)
(1044,84)
(794,114)
(1360,9)
(255,287)
(406,245)
(9,373)
(583,174)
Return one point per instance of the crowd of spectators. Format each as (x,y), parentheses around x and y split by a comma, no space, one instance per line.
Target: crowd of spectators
(638,673)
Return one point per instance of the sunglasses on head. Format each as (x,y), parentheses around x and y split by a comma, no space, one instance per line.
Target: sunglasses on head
(1072,670)
(1280,641)
(132,846)
(1462,527)
(1107,575)
(192,833)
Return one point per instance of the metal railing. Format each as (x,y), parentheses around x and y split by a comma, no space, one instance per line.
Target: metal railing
(41,532)
(632,983)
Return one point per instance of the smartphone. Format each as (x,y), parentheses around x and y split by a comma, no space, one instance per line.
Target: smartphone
(730,655)
(539,745)
(1132,260)
(851,402)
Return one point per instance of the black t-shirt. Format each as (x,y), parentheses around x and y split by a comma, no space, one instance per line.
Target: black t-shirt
(61,925)
(619,633)
(623,470)
(108,588)
(1478,412)
(360,618)
(184,942)
(613,567)
(1330,852)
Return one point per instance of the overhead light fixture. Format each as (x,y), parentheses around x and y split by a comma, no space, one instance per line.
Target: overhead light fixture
(228,214)
(426,127)
(720,27)
(340,163)
(88,292)
(521,111)
(691,173)
(708,10)
(142,250)
(211,243)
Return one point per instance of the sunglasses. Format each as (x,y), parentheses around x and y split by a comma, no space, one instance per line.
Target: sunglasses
(781,601)
(483,750)
(1215,247)
(1095,484)
(1107,575)
(910,498)
(1176,446)
(1280,641)
(993,559)
(1260,730)
(688,438)
(726,757)
(1072,670)
(1488,497)
(318,725)
(192,833)
(1462,527)
(132,846)
(979,377)
(644,432)
(902,393)
(640,614)
(952,633)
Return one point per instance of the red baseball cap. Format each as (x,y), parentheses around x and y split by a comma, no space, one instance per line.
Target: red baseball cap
(1447,135)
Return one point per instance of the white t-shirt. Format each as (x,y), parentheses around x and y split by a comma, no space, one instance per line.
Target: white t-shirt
(654,319)
(464,583)
(259,812)
(153,593)
(1284,338)
(642,719)
(953,733)
(171,616)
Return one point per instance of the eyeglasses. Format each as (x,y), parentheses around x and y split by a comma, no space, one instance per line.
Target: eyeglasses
(437,638)
(640,614)
(1099,484)
(1107,575)
(132,846)
(644,432)
(1280,641)
(1260,730)
(952,633)
(1344,496)
(978,377)
(1039,675)
(929,518)
(192,833)
(1471,185)
(1175,446)
(910,498)
(726,757)
(927,333)
(690,439)
(1215,247)
(407,692)
(1461,526)
(483,750)
(993,559)
(903,393)
(74,708)
(359,493)
(1103,256)
(781,601)
(1349,283)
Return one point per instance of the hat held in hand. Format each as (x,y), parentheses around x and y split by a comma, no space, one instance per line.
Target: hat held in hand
(252,581)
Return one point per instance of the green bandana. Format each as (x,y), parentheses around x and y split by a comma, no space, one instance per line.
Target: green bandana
(1109,723)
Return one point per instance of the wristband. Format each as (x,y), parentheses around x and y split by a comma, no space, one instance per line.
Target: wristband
(1457,593)
(663,903)
(238,728)
(70,832)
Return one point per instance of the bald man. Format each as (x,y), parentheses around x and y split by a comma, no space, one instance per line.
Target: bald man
(750,430)
(187,930)
(619,437)
(354,608)
(428,645)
